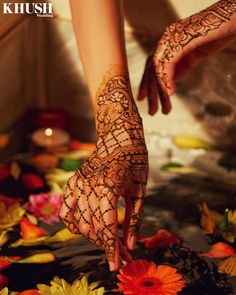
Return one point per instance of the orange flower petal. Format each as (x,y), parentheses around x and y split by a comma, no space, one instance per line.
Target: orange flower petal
(162,238)
(29,292)
(219,250)
(30,231)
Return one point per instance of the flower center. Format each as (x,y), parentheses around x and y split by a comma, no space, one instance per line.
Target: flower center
(150,282)
(47,209)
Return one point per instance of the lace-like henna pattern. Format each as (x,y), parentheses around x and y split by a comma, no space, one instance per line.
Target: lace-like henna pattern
(118,167)
(179,34)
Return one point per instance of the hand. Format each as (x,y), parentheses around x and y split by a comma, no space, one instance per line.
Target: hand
(117,168)
(183,45)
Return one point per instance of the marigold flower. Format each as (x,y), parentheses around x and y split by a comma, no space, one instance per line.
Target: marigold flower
(142,277)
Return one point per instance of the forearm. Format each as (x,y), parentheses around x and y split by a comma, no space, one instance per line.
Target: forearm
(99,32)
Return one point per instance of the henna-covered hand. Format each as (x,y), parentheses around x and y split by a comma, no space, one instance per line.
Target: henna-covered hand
(117,168)
(183,45)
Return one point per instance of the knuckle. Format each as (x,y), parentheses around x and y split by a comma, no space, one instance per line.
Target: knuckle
(84,228)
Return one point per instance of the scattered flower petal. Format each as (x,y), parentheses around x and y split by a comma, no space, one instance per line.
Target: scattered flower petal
(15,170)
(5,171)
(3,281)
(45,162)
(142,277)
(40,258)
(8,202)
(32,181)
(29,292)
(45,206)
(28,243)
(30,231)
(4,262)
(4,139)
(162,238)
(62,235)
(219,250)
(209,219)
(76,145)
(191,141)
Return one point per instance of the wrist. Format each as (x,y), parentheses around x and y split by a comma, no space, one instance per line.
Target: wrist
(115,106)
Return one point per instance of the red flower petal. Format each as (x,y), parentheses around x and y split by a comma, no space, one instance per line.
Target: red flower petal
(4,263)
(30,231)
(162,238)
(5,171)
(8,202)
(219,250)
(3,281)
(32,181)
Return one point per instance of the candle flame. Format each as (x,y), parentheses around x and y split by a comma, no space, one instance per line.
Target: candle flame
(48,132)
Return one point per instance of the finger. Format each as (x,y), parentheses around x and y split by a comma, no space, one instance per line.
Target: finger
(144,82)
(124,254)
(165,83)
(165,59)
(134,203)
(67,209)
(164,99)
(88,214)
(152,92)
(108,232)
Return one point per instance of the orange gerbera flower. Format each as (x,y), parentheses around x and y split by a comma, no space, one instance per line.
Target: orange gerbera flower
(146,278)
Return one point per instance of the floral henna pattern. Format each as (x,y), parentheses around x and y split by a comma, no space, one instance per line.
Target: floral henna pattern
(179,34)
(118,167)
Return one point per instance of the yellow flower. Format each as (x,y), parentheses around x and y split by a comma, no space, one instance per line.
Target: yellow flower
(11,216)
(61,287)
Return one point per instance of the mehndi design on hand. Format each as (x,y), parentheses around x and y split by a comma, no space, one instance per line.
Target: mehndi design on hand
(118,167)
(178,40)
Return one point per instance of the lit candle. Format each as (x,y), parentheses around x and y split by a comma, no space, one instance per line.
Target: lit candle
(50,137)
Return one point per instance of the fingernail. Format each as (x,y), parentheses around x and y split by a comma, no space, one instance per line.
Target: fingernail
(132,242)
(124,262)
(112,266)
